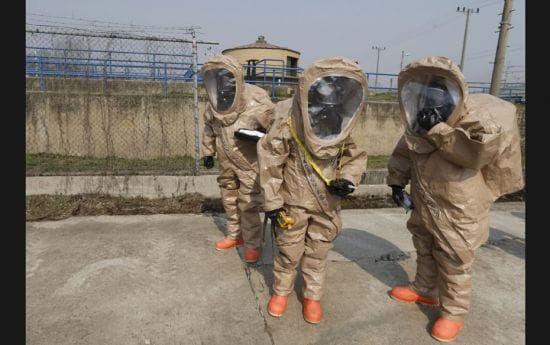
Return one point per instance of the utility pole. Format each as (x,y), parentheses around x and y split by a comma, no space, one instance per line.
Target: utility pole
(377,64)
(195,102)
(504,26)
(467,11)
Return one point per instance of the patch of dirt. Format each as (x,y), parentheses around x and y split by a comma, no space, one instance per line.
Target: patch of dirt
(371,201)
(56,207)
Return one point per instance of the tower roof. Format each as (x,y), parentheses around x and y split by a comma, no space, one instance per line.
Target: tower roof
(260,43)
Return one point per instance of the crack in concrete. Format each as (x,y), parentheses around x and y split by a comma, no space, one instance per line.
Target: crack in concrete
(266,326)
(392,257)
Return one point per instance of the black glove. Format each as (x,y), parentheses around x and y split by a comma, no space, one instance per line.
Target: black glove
(274,213)
(401,197)
(428,117)
(341,186)
(208,162)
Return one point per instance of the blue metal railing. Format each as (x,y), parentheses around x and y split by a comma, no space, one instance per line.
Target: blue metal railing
(105,64)
(111,64)
(64,62)
(508,91)
(268,74)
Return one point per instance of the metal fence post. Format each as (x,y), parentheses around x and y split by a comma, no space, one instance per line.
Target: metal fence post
(154,67)
(104,77)
(41,73)
(165,80)
(110,64)
(273,83)
(196,104)
(65,64)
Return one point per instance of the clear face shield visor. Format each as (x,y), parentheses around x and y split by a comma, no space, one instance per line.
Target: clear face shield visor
(221,87)
(332,103)
(435,95)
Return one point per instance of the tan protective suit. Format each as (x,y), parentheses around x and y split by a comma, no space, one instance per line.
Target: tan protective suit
(288,181)
(456,170)
(238,178)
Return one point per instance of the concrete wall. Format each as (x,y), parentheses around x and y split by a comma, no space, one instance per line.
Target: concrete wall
(150,125)
(378,128)
(129,126)
(138,126)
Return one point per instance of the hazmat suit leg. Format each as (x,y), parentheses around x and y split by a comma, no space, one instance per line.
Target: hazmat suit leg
(249,204)
(425,281)
(307,243)
(454,283)
(229,187)
(291,245)
(318,242)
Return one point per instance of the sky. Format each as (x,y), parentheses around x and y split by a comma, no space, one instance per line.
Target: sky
(322,28)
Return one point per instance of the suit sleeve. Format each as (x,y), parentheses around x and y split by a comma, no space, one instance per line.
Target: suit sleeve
(273,150)
(473,145)
(353,162)
(265,115)
(208,136)
(399,165)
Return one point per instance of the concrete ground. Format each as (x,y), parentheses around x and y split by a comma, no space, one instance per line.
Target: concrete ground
(158,280)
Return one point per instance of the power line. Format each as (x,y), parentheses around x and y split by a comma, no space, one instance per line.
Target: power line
(421,29)
(489,54)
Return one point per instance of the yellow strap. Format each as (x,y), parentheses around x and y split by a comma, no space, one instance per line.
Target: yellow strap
(305,151)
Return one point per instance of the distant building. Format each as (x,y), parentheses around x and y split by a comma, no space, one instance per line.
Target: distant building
(265,61)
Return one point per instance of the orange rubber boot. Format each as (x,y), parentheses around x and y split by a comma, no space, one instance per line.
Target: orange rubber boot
(251,254)
(312,311)
(277,305)
(406,294)
(228,243)
(446,330)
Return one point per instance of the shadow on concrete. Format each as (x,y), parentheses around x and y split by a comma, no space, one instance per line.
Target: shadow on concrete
(219,220)
(380,258)
(518,214)
(375,255)
(510,244)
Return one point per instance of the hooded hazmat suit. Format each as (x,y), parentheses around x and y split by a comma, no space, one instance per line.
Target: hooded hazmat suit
(322,114)
(457,168)
(234,105)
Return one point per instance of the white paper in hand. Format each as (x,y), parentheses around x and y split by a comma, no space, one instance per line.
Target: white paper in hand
(250,133)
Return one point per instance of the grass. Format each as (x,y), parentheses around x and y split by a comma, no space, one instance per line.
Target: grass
(47,163)
(382,97)
(44,163)
(377,162)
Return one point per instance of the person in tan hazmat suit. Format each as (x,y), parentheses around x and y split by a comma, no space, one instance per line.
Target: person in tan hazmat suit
(308,162)
(234,106)
(460,153)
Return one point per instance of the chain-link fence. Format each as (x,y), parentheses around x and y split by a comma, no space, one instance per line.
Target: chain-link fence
(111,103)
